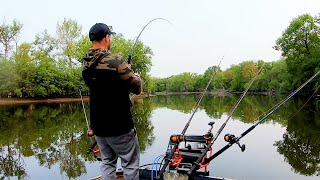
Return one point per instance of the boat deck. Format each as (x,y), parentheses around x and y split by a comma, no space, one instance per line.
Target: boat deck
(145,174)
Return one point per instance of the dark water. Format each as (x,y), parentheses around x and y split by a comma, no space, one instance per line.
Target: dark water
(46,141)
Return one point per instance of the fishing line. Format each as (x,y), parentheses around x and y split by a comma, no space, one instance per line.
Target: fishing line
(263,114)
(305,103)
(135,43)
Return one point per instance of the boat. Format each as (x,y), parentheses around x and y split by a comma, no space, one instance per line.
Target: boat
(145,174)
(191,147)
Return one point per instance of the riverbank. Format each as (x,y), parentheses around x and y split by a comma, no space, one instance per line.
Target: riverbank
(18,101)
(216,93)
(25,101)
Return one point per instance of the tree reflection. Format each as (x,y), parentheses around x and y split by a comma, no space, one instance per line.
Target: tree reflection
(11,163)
(142,112)
(248,110)
(300,145)
(182,103)
(54,134)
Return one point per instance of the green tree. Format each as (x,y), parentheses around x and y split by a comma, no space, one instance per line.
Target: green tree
(68,35)
(83,45)
(25,69)
(142,55)
(300,145)
(8,35)
(8,78)
(237,83)
(141,60)
(208,74)
(300,45)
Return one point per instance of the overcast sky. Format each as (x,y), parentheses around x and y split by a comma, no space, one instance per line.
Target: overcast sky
(202,31)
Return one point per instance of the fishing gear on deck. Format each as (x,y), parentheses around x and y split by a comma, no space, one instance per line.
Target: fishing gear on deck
(199,163)
(173,145)
(232,139)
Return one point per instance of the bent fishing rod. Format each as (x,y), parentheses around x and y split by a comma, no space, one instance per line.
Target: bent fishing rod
(196,165)
(136,41)
(90,133)
(173,150)
(231,139)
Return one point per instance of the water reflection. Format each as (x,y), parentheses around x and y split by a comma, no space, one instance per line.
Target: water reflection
(53,133)
(11,163)
(301,143)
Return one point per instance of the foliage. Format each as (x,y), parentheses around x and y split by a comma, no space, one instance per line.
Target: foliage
(300,45)
(8,35)
(141,60)
(68,35)
(56,132)
(300,145)
(49,66)
(8,78)
(56,136)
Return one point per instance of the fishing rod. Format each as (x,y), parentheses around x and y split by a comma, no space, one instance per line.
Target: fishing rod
(84,112)
(231,139)
(198,163)
(175,147)
(135,43)
(90,133)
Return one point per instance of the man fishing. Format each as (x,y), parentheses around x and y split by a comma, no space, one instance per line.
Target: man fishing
(110,80)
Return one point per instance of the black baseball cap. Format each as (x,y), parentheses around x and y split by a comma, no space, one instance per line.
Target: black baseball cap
(99,31)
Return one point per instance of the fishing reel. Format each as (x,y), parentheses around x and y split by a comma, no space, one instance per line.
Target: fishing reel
(95,150)
(177,138)
(230,138)
(185,155)
(90,133)
(208,136)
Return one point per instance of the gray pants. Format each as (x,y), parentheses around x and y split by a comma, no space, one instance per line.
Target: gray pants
(126,147)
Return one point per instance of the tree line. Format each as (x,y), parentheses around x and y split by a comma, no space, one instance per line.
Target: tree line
(300,47)
(50,66)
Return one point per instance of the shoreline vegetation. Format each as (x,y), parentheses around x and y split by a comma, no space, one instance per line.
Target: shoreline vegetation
(50,65)
(26,101)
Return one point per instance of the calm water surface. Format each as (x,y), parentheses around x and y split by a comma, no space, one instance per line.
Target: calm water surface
(46,141)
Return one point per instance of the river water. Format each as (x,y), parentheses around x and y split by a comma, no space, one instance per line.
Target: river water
(47,141)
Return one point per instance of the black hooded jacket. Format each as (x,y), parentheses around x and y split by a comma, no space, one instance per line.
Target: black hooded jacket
(110,81)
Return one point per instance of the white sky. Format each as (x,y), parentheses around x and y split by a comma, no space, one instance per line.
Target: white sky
(202,32)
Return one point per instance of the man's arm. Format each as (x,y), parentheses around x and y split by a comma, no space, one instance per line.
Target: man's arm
(85,74)
(133,80)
